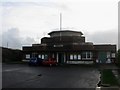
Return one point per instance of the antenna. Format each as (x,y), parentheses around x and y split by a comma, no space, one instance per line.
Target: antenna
(7,44)
(60,24)
(60,21)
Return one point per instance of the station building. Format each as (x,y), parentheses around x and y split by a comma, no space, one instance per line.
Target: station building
(70,47)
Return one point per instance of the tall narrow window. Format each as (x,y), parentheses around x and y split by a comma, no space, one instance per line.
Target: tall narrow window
(75,57)
(88,54)
(108,54)
(84,55)
(71,56)
(79,56)
(43,56)
(39,56)
(46,56)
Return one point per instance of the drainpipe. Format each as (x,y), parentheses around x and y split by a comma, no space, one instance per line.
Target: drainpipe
(57,57)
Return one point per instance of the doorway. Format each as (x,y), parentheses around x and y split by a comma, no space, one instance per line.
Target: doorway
(61,58)
(102,57)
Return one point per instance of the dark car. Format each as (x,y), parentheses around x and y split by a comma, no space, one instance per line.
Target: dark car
(49,61)
(35,61)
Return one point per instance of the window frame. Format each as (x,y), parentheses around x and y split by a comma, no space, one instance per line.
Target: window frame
(27,56)
(87,53)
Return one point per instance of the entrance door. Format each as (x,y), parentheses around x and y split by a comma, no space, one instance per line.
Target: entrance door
(60,57)
(102,57)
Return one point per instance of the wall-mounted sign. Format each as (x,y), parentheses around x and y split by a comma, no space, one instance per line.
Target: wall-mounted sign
(58,45)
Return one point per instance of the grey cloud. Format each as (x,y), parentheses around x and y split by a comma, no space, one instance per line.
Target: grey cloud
(12,39)
(102,37)
(51,4)
(28,41)
(119,24)
(0,40)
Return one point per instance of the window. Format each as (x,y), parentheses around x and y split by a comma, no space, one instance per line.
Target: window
(39,56)
(34,55)
(79,56)
(27,56)
(75,56)
(86,55)
(46,56)
(71,57)
(108,54)
(43,56)
(113,55)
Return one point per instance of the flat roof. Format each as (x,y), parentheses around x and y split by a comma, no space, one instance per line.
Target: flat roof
(65,31)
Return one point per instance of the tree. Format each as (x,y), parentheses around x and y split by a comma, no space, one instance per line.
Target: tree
(118,57)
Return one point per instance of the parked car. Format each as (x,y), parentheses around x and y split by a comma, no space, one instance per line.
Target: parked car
(35,61)
(49,61)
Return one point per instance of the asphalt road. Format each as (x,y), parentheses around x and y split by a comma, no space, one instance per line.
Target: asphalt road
(24,76)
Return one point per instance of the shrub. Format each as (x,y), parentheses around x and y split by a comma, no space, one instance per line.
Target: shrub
(118,58)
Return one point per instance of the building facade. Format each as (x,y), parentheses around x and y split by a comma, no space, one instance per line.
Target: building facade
(70,47)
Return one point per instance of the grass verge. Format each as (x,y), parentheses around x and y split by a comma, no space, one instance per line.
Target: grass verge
(107,77)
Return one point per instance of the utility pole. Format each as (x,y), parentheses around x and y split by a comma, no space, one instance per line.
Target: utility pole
(7,44)
(60,21)
(60,24)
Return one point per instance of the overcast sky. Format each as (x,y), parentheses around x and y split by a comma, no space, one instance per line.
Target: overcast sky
(25,22)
